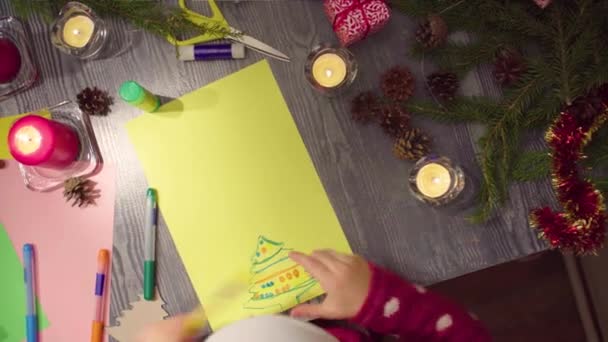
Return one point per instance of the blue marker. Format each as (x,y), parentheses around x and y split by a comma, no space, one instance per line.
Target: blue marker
(31,318)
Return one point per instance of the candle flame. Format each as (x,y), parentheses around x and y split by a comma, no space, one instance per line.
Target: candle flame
(76,31)
(328,72)
(436,180)
(28,139)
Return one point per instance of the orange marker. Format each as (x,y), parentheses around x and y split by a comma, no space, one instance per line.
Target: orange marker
(103,260)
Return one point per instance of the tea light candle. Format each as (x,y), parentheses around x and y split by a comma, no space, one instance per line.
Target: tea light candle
(78,30)
(37,141)
(329,70)
(10,61)
(433,180)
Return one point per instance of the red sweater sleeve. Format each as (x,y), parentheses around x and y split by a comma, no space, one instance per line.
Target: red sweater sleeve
(394,306)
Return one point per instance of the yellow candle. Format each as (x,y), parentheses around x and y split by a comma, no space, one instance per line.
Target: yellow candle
(329,70)
(433,180)
(78,30)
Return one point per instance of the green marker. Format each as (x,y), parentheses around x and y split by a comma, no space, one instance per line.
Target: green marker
(136,95)
(150,241)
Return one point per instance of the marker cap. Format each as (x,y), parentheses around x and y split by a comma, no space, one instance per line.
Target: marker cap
(28,248)
(151,193)
(238,51)
(103,257)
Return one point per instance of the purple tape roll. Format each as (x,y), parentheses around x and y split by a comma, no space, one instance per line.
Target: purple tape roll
(205,52)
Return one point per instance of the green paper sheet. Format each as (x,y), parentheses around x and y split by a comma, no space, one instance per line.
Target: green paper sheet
(12,294)
(5,126)
(238,191)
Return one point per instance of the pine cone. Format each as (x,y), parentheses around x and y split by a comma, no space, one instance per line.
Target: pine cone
(80,191)
(588,106)
(508,67)
(394,119)
(365,107)
(412,145)
(398,83)
(94,101)
(432,32)
(443,85)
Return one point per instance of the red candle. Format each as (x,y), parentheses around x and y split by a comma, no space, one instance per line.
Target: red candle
(10,60)
(34,140)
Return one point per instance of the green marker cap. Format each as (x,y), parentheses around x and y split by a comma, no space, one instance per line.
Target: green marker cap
(151,193)
(132,92)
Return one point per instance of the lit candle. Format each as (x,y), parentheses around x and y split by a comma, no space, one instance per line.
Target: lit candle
(433,180)
(329,70)
(78,30)
(37,141)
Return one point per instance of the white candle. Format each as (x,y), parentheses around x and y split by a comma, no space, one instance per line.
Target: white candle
(78,30)
(329,70)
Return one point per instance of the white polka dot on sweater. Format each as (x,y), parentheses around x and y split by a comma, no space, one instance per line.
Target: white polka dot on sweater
(443,323)
(391,307)
(420,289)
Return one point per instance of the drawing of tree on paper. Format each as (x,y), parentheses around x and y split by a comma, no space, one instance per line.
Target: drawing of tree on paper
(277,283)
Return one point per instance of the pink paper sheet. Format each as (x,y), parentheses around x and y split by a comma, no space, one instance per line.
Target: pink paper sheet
(67,240)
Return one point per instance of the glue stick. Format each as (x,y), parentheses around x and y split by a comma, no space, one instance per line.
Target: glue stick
(136,95)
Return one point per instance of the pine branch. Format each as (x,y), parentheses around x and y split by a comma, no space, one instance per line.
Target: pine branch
(462,109)
(46,9)
(560,55)
(570,59)
(532,166)
(541,113)
(498,148)
(602,186)
(460,58)
(596,72)
(597,149)
(148,15)
(511,16)
(418,9)
(527,90)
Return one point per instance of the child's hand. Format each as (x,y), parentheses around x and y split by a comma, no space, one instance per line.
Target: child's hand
(169,330)
(345,278)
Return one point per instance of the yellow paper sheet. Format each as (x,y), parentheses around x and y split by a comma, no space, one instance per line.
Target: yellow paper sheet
(5,126)
(234,180)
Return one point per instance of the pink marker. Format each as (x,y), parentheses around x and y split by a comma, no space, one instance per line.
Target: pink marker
(103,260)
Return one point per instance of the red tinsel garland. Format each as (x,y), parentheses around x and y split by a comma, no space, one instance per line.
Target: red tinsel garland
(581,227)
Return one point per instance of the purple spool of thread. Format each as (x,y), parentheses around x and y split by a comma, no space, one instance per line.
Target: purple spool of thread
(206,52)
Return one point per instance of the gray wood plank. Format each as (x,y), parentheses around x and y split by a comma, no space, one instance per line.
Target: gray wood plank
(366,184)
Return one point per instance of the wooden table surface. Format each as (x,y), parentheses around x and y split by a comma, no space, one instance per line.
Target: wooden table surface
(367,186)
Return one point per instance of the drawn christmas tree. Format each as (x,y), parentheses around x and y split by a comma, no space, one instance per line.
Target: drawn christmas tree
(132,321)
(277,283)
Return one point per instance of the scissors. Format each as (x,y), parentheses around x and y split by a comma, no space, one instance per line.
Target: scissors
(218,20)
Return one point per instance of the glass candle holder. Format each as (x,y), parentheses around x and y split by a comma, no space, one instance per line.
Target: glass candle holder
(436,180)
(87,163)
(79,32)
(18,70)
(330,69)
